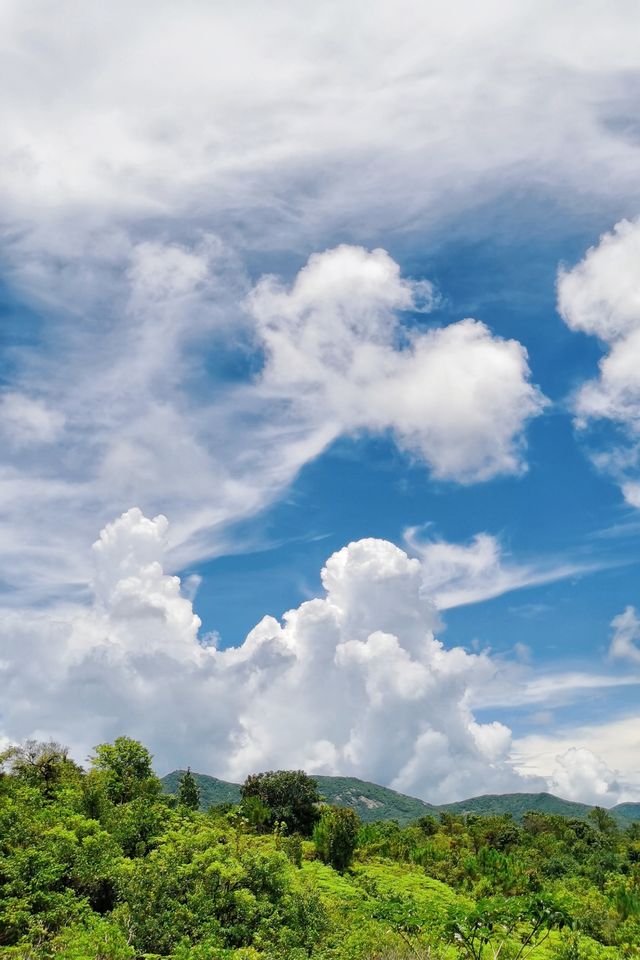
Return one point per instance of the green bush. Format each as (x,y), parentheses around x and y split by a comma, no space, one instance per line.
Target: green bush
(336,835)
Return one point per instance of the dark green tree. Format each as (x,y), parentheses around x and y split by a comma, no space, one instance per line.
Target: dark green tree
(290,795)
(336,836)
(188,791)
(255,813)
(603,820)
(126,767)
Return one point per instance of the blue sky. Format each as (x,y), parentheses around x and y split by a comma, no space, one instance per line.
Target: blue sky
(351,282)
(514,290)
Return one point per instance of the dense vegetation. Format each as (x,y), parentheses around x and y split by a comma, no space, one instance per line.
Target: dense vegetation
(373,802)
(101,865)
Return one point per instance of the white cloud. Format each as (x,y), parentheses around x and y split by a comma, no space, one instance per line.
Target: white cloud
(119,393)
(354,682)
(570,758)
(581,775)
(631,493)
(129,412)
(601,296)
(456,397)
(626,636)
(25,421)
(285,132)
(287,122)
(517,688)
(456,574)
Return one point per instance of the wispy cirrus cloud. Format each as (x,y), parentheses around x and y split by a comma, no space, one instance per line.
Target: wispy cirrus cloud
(518,687)
(124,410)
(429,116)
(457,574)
(138,216)
(115,186)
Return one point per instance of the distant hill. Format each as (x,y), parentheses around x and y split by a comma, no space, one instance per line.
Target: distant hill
(630,811)
(373,802)
(212,790)
(517,804)
(369,800)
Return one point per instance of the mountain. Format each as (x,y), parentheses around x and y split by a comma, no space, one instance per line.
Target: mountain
(517,804)
(373,802)
(630,811)
(369,800)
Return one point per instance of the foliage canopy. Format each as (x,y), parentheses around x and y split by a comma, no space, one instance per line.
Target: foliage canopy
(290,796)
(98,866)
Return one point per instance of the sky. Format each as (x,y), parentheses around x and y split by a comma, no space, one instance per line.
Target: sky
(320,388)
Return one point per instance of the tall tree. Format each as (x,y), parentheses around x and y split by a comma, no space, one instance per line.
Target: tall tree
(290,795)
(43,765)
(188,791)
(126,765)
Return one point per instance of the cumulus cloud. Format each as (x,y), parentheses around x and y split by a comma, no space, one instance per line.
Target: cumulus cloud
(581,775)
(625,642)
(353,682)
(456,397)
(600,296)
(114,189)
(571,759)
(127,409)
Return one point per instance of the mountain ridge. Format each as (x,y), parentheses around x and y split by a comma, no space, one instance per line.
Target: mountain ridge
(374,802)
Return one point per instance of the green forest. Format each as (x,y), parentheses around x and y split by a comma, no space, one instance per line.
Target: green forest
(102,864)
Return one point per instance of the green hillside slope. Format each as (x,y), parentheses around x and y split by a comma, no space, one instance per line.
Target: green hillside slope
(212,790)
(369,800)
(373,802)
(630,811)
(518,804)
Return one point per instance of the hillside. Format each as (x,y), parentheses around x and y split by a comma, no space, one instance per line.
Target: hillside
(629,811)
(370,801)
(373,802)
(517,804)
(212,790)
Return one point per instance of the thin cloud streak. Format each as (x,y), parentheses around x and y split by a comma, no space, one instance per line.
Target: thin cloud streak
(515,687)
(458,575)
